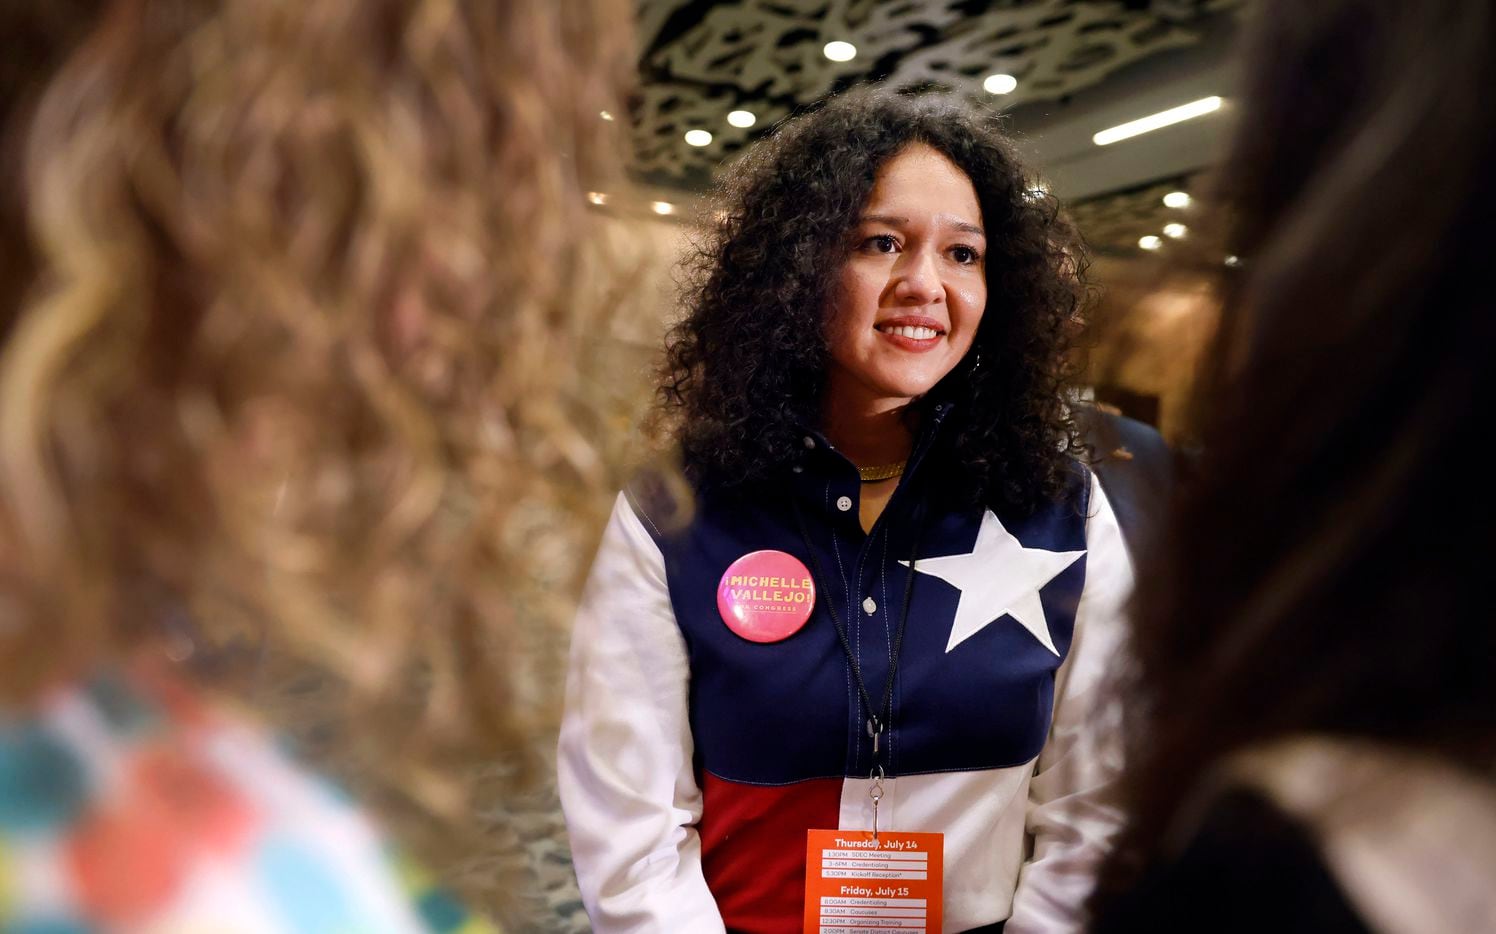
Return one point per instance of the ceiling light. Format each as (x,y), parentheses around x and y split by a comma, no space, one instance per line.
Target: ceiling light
(597,197)
(698,138)
(606,115)
(1177,199)
(1233,261)
(1175,230)
(663,207)
(839,51)
(1150,242)
(741,118)
(1000,84)
(1159,120)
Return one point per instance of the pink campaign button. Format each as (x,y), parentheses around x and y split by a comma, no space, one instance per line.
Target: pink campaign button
(766,596)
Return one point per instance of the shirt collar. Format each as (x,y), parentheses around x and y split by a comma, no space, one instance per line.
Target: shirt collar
(817,454)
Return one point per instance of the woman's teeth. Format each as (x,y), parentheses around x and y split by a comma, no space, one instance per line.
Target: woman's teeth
(919,334)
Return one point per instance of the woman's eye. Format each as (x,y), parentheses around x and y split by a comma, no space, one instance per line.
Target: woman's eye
(965,255)
(882,243)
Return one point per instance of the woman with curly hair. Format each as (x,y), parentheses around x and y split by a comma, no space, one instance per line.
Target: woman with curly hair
(897,592)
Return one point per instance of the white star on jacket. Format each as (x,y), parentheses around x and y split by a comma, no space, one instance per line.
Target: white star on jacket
(998,577)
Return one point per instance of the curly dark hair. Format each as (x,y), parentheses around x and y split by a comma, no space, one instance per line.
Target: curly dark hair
(740,374)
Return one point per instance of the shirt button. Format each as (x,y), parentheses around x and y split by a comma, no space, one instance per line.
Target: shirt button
(844,503)
(869,607)
(810,442)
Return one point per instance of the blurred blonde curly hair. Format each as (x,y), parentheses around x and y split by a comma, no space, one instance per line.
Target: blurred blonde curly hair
(294,350)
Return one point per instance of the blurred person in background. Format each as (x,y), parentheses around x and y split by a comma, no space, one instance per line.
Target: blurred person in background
(1315,741)
(1133,463)
(289,360)
(866,391)
(1131,459)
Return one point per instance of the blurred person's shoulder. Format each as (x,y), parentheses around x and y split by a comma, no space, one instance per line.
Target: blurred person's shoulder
(1135,466)
(1245,867)
(1324,834)
(128,799)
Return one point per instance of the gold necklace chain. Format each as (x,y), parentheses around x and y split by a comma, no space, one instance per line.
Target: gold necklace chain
(872,474)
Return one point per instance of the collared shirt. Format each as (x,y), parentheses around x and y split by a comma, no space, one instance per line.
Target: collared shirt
(693,761)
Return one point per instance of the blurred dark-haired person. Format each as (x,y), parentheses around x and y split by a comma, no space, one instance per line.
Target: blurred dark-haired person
(283,326)
(898,592)
(1315,743)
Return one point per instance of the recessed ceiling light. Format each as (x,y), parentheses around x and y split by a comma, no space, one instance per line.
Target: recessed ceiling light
(606,115)
(698,138)
(1157,121)
(742,118)
(597,197)
(1177,199)
(1150,242)
(839,51)
(1000,84)
(1233,261)
(1175,230)
(663,207)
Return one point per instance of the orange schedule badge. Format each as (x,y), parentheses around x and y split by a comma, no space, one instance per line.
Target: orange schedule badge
(856,885)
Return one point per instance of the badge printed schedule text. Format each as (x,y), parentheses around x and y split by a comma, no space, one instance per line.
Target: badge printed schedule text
(874,891)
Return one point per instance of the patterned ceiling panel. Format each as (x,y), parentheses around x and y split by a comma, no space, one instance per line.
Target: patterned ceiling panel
(1113,224)
(703,59)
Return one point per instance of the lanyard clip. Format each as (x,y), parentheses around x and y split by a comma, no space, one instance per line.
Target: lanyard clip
(875,730)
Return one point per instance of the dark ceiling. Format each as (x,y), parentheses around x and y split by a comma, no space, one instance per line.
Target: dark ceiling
(1080,65)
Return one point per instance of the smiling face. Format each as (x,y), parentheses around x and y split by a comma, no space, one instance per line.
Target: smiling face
(912,291)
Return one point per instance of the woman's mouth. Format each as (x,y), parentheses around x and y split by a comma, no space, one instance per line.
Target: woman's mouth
(919,334)
(909,333)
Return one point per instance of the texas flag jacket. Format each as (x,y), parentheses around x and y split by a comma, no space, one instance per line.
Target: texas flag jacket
(692,761)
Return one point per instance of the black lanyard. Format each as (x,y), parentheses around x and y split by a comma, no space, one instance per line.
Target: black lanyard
(878,717)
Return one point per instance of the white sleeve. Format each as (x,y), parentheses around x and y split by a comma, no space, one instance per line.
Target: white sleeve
(624,762)
(1072,814)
